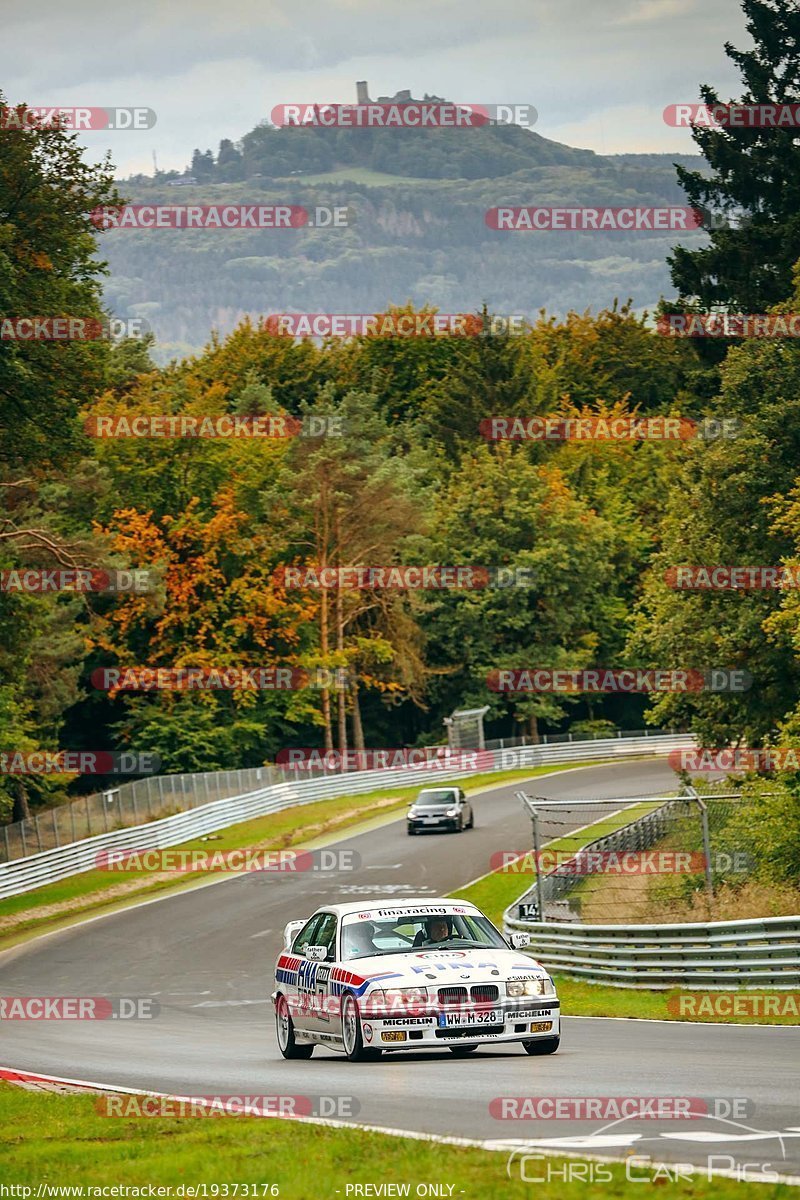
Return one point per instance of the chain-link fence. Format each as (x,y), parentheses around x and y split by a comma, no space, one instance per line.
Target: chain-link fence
(129,804)
(559,739)
(640,860)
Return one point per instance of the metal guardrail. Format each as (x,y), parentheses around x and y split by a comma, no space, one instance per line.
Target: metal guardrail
(25,874)
(763,952)
(756,953)
(124,804)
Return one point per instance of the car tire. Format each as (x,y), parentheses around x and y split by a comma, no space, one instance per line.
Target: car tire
(352,1035)
(284,1027)
(542,1045)
(471,820)
(460,1051)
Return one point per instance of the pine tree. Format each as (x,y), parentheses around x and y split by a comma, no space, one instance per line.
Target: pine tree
(755,180)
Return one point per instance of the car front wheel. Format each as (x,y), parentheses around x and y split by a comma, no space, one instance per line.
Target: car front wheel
(285,1030)
(352,1034)
(542,1045)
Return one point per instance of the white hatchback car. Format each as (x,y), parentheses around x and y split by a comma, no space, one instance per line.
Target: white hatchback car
(409,975)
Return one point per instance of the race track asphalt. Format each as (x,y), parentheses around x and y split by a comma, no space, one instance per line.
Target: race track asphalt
(208,955)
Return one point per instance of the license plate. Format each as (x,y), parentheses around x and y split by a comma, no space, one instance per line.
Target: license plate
(541,1026)
(490,1017)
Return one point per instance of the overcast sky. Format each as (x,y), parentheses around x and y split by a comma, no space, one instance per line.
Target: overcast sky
(599,72)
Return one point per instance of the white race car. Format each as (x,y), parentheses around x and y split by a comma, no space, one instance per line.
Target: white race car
(408,975)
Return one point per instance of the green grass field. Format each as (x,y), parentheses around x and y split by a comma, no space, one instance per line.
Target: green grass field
(60,1140)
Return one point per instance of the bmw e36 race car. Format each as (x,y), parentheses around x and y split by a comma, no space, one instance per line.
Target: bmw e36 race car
(409,975)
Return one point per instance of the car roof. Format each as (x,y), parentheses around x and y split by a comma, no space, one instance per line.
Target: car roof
(384,903)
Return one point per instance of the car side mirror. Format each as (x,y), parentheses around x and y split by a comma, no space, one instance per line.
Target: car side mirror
(520,940)
(290,933)
(317,953)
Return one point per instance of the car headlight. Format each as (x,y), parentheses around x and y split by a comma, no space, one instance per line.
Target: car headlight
(408,994)
(543,986)
(452,812)
(402,1001)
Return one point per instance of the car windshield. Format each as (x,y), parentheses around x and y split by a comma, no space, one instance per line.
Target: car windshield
(439,797)
(365,936)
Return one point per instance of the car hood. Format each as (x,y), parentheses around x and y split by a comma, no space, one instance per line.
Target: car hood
(426,967)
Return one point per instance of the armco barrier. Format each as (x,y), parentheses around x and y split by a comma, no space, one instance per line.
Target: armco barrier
(25,874)
(758,953)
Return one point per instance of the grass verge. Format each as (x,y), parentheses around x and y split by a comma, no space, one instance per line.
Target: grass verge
(61,1140)
(58,904)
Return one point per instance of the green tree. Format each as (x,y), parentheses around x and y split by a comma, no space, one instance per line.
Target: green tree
(720,510)
(501,510)
(48,268)
(755,178)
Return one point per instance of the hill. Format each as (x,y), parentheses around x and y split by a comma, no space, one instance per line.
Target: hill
(417,201)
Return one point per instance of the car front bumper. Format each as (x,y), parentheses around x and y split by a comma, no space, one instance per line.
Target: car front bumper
(535,1018)
(433,823)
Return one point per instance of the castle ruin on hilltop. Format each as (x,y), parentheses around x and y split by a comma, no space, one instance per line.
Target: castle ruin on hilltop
(402,97)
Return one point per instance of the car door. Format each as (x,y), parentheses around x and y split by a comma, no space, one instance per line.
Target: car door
(466,809)
(299,999)
(313,978)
